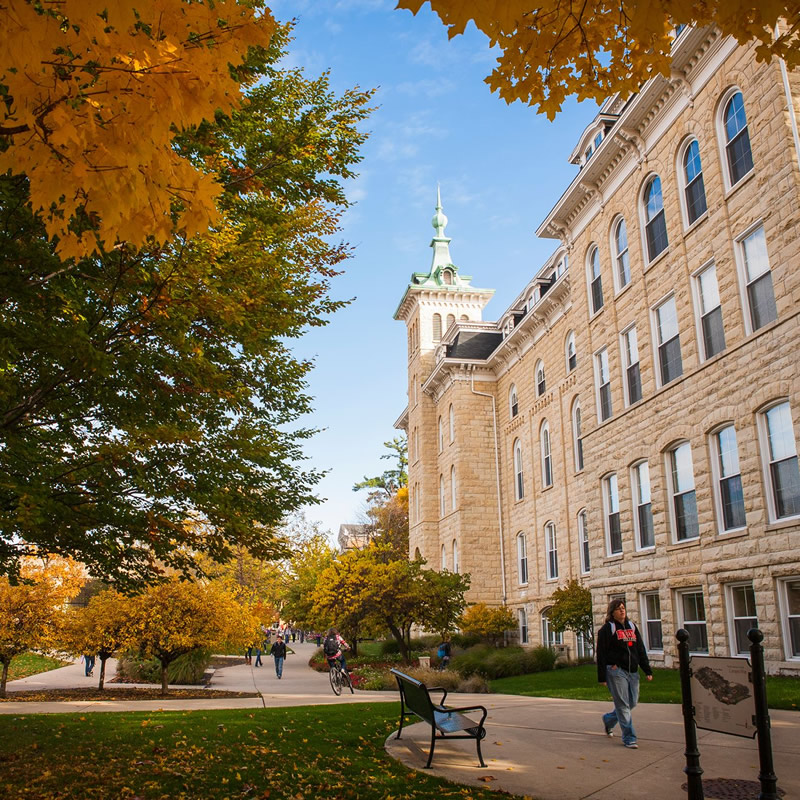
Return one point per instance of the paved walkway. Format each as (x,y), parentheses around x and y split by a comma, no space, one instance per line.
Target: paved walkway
(537,747)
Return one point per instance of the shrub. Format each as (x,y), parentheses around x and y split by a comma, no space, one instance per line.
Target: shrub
(465,640)
(489,662)
(448,679)
(542,659)
(391,647)
(187,669)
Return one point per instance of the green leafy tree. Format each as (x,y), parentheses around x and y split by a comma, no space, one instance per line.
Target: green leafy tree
(149,401)
(572,609)
(387,483)
(489,622)
(443,600)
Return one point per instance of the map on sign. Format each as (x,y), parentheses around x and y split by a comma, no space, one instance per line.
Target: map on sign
(722,695)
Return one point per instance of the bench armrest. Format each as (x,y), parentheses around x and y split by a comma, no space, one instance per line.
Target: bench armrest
(463,709)
(438,689)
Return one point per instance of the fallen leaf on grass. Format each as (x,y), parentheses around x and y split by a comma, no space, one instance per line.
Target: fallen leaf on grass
(487,778)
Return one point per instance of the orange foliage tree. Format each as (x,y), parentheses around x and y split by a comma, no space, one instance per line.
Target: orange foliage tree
(489,622)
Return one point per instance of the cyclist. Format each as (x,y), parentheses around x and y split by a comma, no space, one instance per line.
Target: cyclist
(333,647)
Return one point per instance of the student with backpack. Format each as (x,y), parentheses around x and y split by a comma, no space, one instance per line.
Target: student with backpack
(333,648)
(444,654)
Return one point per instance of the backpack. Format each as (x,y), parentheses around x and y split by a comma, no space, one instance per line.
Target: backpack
(441,652)
(330,646)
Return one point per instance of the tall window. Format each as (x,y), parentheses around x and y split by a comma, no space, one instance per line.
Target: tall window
(684,501)
(630,358)
(547,461)
(692,617)
(452,423)
(453,503)
(442,501)
(603,384)
(583,540)
(596,280)
(519,486)
(651,611)
(621,254)
(522,557)
(655,224)
(416,443)
(710,312)
(450,320)
(758,280)
(456,565)
(694,190)
(737,139)
(444,558)
(643,518)
(416,502)
(572,355)
(513,403)
(613,528)
(561,266)
(729,479)
(551,547)
(541,385)
(437,327)
(669,343)
(790,615)
(523,626)
(549,637)
(577,435)
(743,616)
(440,434)
(781,448)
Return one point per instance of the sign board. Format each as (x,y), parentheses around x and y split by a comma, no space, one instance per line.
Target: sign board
(722,694)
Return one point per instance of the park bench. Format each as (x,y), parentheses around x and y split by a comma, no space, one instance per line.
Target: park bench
(446,723)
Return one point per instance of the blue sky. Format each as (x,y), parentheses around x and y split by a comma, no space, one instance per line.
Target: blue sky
(501,168)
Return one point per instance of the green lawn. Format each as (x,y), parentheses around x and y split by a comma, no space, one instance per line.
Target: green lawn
(31,664)
(278,753)
(580,683)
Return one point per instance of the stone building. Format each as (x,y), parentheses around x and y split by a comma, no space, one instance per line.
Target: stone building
(631,419)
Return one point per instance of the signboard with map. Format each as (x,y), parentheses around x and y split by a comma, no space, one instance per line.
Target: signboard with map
(722,695)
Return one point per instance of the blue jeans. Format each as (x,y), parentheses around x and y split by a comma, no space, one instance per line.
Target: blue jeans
(258,657)
(624,688)
(278,666)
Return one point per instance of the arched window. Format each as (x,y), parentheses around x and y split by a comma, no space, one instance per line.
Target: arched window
(417,554)
(595,279)
(453,487)
(694,189)
(456,565)
(523,626)
(447,277)
(621,254)
(513,403)
(442,506)
(522,557)
(739,157)
(464,318)
(571,352)
(577,435)
(551,548)
(583,542)
(416,443)
(444,558)
(519,486)
(541,385)
(450,320)
(416,502)
(611,508)
(547,462)
(549,637)
(440,434)
(437,327)
(655,223)
(452,423)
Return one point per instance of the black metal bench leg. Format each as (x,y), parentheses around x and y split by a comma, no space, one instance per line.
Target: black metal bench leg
(480,756)
(433,744)
(402,717)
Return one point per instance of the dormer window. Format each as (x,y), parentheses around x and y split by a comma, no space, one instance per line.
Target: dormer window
(447,277)
(588,153)
(534,297)
(508,327)
(561,267)
(598,139)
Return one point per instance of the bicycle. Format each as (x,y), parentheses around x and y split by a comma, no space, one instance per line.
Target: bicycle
(339,677)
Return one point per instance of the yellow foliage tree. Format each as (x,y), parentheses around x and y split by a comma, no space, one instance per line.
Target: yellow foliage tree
(31,611)
(489,622)
(594,49)
(93,95)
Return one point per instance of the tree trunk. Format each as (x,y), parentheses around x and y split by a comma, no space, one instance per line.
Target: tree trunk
(401,641)
(4,679)
(164,681)
(103,659)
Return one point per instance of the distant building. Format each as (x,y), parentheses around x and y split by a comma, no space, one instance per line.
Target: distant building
(354,537)
(631,420)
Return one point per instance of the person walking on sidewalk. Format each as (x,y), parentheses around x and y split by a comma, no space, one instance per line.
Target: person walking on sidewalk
(278,652)
(620,654)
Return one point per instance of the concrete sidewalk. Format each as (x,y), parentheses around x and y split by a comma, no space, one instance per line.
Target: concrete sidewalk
(536,747)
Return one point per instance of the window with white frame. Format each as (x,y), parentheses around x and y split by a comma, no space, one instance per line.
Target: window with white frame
(440,434)
(668,341)
(523,626)
(758,280)
(605,408)
(655,224)
(437,327)
(621,254)
(742,616)
(583,541)
(577,435)
(630,360)
(584,643)
(681,484)
(550,638)
(595,280)
(692,618)
(611,502)
(789,594)
(541,385)
(780,449)
(643,516)
(738,154)
(728,479)
(522,558)
(452,424)
(571,352)
(694,191)
(442,501)
(562,265)
(710,310)
(519,485)
(651,616)
(453,503)
(547,459)
(447,277)
(513,402)
(551,547)
(444,557)
(456,565)
(416,398)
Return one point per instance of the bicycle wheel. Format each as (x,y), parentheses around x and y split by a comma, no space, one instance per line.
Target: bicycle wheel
(336,684)
(346,676)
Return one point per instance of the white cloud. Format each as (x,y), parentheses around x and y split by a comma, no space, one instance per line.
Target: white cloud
(427,87)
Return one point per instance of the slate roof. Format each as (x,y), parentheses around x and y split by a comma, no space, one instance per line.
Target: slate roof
(474,344)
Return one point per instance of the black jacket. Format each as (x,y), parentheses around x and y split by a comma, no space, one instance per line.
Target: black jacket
(278,649)
(623,647)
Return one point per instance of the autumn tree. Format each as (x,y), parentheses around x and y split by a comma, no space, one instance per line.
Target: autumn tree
(149,398)
(443,600)
(388,482)
(31,610)
(572,609)
(488,622)
(102,627)
(595,49)
(93,97)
